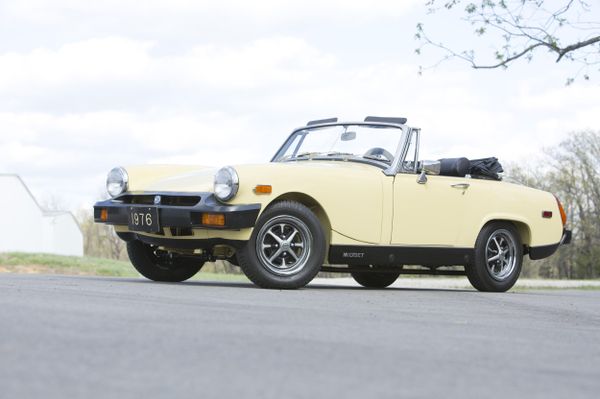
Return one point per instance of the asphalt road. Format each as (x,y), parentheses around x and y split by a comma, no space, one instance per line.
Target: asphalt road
(87,337)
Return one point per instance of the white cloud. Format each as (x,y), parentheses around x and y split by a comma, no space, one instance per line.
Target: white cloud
(114,66)
(273,61)
(92,60)
(55,10)
(575,107)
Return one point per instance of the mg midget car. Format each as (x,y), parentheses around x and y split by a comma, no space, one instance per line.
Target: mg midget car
(349,197)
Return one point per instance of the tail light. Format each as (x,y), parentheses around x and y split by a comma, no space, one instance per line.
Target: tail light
(563,214)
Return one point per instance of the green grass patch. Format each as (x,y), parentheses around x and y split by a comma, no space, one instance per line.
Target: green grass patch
(17,262)
(45,263)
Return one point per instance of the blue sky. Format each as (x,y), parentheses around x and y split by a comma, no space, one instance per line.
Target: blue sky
(85,86)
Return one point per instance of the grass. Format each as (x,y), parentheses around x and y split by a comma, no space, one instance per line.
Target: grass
(18,262)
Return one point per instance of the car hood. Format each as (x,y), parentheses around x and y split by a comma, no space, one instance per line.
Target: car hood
(170,178)
(181,178)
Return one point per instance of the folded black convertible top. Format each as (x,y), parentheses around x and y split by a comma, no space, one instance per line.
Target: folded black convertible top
(487,168)
(484,168)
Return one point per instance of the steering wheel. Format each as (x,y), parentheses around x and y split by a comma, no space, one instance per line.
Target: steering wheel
(379,153)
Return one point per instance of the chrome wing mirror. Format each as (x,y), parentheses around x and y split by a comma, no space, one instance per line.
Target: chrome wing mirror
(428,168)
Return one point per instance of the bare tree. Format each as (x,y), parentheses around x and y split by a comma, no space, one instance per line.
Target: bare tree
(572,172)
(520,28)
(100,240)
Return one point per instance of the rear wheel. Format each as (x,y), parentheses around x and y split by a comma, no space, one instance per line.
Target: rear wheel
(159,265)
(498,258)
(371,279)
(286,249)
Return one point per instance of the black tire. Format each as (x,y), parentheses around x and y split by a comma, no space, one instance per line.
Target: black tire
(501,274)
(161,267)
(234,260)
(375,279)
(300,227)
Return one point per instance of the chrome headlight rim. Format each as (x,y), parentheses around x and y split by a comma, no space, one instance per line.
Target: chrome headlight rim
(232,183)
(122,181)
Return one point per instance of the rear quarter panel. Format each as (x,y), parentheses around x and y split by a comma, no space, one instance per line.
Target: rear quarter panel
(488,200)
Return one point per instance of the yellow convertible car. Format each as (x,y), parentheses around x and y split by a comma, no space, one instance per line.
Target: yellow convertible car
(350,197)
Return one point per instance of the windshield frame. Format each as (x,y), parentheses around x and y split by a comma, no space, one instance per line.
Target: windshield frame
(388,169)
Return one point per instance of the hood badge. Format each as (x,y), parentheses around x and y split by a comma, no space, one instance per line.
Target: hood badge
(157,200)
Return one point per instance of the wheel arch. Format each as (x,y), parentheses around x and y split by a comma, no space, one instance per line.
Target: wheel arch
(522,228)
(310,203)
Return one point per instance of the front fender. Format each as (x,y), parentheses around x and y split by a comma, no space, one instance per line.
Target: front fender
(351,194)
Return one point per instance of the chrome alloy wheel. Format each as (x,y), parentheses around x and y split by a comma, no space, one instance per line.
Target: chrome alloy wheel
(501,254)
(283,245)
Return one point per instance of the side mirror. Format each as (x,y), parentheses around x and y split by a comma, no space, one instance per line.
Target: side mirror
(428,168)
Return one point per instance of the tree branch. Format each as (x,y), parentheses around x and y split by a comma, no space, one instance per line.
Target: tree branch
(521,26)
(510,59)
(562,52)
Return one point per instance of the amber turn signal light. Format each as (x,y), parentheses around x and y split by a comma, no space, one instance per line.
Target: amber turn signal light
(263,189)
(563,214)
(213,219)
(104,214)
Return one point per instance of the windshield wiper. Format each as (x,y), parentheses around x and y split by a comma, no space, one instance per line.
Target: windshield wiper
(301,155)
(337,154)
(376,158)
(311,155)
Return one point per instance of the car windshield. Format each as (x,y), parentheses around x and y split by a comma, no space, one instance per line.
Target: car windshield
(370,143)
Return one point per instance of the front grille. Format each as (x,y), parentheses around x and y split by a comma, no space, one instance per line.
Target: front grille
(181,231)
(169,200)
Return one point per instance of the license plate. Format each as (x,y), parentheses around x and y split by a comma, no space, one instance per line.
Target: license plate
(144,219)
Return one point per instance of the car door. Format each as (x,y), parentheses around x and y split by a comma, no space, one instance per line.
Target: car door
(429,214)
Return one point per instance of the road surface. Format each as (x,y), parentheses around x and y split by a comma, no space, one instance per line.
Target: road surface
(92,337)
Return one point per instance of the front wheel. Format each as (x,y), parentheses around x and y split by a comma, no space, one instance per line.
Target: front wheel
(159,265)
(498,258)
(286,249)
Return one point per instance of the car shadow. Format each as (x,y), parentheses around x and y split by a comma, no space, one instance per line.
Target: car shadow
(206,283)
(243,284)
(416,289)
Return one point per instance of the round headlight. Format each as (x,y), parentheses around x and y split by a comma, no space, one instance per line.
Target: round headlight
(226,183)
(117,182)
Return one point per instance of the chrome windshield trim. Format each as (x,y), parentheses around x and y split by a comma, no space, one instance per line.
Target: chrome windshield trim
(418,133)
(400,152)
(287,142)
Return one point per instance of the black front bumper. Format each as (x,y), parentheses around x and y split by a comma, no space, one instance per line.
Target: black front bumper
(545,251)
(237,217)
(566,237)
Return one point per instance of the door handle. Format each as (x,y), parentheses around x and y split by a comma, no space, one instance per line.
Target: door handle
(463,186)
